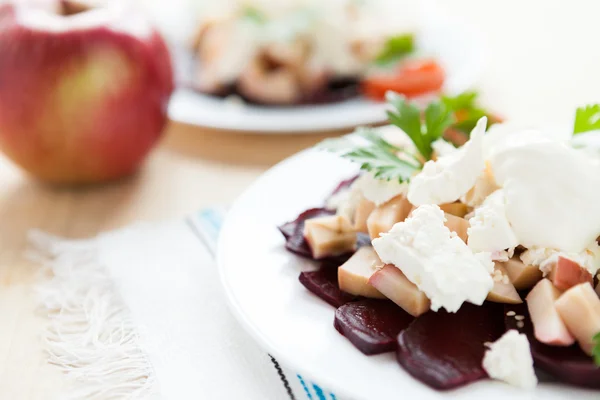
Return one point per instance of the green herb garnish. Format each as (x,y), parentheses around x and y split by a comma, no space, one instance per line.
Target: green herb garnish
(376,155)
(388,162)
(407,116)
(465,100)
(466,110)
(587,119)
(395,48)
(596,349)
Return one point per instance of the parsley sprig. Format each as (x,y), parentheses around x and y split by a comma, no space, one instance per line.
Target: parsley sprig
(375,154)
(386,161)
(587,119)
(407,116)
(395,48)
(467,111)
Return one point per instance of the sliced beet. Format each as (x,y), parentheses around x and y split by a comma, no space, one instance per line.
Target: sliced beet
(324,283)
(372,325)
(566,364)
(293,232)
(289,228)
(445,350)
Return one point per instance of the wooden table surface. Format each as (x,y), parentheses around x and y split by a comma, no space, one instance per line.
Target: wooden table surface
(543,61)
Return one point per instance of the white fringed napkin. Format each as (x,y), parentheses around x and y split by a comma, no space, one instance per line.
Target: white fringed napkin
(138,313)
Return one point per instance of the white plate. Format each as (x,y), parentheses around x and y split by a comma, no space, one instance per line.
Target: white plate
(261,283)
(456,47)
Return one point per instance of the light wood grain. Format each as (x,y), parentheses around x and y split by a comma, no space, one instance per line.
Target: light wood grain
(191,169)
(542,63)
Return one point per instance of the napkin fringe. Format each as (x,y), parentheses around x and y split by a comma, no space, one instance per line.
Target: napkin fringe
(91,335)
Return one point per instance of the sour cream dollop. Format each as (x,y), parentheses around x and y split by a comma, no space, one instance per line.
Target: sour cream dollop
(552,192)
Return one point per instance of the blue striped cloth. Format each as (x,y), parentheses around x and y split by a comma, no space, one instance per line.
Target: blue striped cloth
(206,225)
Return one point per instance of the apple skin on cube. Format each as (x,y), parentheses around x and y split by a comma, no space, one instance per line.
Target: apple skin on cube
(567,273)
(392,283)
(565,364)
(579,308)
(548,326)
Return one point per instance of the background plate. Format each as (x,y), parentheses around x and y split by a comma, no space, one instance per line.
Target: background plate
(450,41)
(261,283)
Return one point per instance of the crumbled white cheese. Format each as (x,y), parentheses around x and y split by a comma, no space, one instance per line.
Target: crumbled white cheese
(509,359)
(489,228)
(379,191)
(436,260)
(367,187)
(451,176)
(544,258)
(552,193)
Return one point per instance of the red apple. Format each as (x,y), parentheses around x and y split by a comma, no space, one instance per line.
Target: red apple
(83,96)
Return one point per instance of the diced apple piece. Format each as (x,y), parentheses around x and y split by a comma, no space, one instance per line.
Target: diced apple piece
(567,273)
(456,208)
(503,291)
(484,186)
(579,308)
(458,225)
(363,210)
(387,215)
(354,274)
(548,326)
(521,275)
(329,236)
(390,281)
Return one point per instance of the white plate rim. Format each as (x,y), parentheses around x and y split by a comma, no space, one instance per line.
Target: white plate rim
(235,307)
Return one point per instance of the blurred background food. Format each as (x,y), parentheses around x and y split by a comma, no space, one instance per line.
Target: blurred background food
(86,83)
(304,51)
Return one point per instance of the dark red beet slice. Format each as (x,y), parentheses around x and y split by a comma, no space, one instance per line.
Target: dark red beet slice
(293,233)
(445,350)
(289,228)
(372,325)
(566,364)
(324,283)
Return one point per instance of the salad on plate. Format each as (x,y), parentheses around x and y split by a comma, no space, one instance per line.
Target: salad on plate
(306,52)
(466,245)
